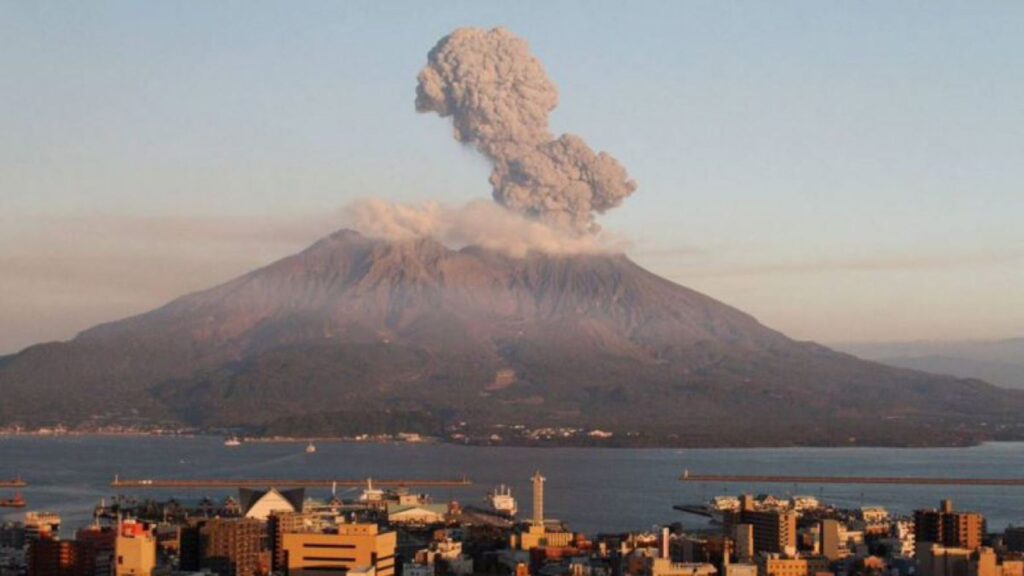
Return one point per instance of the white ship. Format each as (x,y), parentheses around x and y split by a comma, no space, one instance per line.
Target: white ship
(501,501)
(371,494)
(310,448)
(233,441)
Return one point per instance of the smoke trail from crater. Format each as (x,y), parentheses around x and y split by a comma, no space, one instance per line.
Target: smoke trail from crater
(476,223)
(499,98)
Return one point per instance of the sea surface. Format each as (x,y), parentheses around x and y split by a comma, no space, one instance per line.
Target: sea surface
(591,489)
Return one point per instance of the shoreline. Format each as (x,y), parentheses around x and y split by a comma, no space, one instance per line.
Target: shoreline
(433,440)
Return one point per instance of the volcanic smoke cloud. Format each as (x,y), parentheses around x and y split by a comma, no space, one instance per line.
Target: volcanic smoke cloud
(477,223)
(499,98)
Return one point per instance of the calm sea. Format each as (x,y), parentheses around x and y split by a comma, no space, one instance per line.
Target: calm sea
(592,489)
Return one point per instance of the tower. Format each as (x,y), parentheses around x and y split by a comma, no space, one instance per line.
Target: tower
(538,499)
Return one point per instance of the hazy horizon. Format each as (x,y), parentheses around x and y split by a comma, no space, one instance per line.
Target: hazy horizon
(843,173)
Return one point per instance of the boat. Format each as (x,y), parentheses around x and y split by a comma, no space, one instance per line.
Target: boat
(501,501)
(232,442)
(16,502)
(310,448)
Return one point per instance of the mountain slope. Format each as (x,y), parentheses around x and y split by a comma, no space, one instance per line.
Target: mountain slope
(1000,362)
(355,334)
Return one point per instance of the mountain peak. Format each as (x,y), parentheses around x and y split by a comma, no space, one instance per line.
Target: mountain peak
(357,324)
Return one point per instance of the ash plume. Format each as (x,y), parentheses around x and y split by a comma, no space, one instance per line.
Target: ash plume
(499,98)
(476,223)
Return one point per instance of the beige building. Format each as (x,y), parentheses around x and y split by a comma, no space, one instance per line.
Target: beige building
(355,547)
(666,567)
(775,565)
(740,569)
(984,563)
(937,560)
(134,550)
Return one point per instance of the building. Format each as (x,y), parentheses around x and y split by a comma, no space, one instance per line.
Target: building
(39,524)
(260,504)
(537,534)
(48,556)
(353,547)
(227,547)
(774,531)
(102,542)
(830,544)
(949,528)
(447,552)
(1013,538)
(134,550)
(420,514)
(743,536)
(937,560)
(12,535)
(739,569)
(984,562)
(776,565)
(281,523)
(666,567)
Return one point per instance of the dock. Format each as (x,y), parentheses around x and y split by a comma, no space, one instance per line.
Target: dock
(229,483)
(897,480)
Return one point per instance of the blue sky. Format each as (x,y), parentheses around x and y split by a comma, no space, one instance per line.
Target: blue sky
(843,171)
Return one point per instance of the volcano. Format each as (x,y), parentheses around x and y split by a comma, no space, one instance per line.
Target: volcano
(357,335)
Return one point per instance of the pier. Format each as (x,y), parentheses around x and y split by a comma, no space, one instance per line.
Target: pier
(899,480)
(228,483)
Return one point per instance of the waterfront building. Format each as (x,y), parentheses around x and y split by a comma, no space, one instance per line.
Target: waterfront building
(447,552)
(353,547)
(227,547)
(48,556)
(949,528)
(134,550)
(102,541)
(739,569)
(38,524)
(280,523)
(537,534)
(831,546)
(743,536)
(937,560)
(1013,538)
(260,504)
(777,565)
(12,535)
(419,514)
(774,531)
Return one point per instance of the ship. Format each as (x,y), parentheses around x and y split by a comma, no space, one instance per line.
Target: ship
(232,442)
(501,501)
(310,448)
(16,502)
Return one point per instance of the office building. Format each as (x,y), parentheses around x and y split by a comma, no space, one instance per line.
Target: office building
(949,528)
(134,550)
(227,547)
(829,535)
(774,531)
(353,547)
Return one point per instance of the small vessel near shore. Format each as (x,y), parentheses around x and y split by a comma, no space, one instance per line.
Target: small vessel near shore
(310,448)
(16,502)
(232,442)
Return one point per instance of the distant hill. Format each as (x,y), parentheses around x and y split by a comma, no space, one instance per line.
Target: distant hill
(362,335)
(1000,362)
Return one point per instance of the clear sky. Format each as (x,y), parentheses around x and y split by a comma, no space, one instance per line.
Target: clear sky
(845,171)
